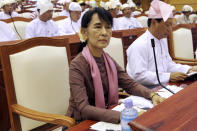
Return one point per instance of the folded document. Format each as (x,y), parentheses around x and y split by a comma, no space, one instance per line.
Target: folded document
(165,93)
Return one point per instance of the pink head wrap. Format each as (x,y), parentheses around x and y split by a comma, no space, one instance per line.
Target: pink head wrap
(159,9)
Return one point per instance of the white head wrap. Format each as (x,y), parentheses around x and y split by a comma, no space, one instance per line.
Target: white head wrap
(92,3)
(44,6)
(110,5)
(6,2)
(187,8)
(173,7)
(102,4)
(63,2)
(125,6)
(74,6)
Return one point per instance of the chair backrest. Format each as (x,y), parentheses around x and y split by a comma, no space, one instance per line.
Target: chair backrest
(115,50)
(59,19)
(20,24)
(36,77)
(26,15)
(56,14)
(177,16)
(143,19)
(193,18)
(137,12)
(182,43)
(146,12)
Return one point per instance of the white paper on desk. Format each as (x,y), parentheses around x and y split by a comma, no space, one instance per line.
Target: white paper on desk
(139,102)
(192,73)
(121,107)
(103,126)
(165,93)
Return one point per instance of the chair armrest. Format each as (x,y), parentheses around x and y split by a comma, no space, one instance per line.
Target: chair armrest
(186,62)
(45,117)
(184,59)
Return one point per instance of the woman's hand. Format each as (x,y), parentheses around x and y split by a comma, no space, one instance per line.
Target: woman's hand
(156,99)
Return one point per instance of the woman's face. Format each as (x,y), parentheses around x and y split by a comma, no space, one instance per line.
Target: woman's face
(98,33)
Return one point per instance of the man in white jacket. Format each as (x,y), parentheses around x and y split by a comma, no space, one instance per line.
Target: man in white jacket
(8,9)
(127,21)
(141,65)
(44,25)
(72,24)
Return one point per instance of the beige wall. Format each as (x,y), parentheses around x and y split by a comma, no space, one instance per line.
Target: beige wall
(180,3)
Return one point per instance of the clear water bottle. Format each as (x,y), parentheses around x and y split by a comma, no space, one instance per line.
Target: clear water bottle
(127,115)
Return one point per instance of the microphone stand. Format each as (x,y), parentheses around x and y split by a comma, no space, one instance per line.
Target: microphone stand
(153,45)
(14,25)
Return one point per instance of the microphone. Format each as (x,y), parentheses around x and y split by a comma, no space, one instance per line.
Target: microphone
(14,25)
(153,45)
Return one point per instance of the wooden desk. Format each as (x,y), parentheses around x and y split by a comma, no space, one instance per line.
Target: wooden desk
(178,112)
(83,126)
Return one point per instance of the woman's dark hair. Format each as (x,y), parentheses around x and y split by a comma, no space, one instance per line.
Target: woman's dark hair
(149,21)
(87,17)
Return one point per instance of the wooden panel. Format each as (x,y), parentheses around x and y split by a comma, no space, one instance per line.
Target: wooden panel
(83,126)
(4,113)
(176,113)
(180,3)
(194,36)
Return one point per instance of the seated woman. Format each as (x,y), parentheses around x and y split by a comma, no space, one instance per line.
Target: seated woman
(95,76)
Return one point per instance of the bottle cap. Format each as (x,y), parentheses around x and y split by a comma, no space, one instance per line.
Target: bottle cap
(128,103)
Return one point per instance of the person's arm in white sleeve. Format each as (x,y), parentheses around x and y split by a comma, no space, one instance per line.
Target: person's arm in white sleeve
(137,67)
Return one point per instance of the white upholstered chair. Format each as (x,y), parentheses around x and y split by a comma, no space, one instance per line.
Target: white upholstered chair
(20,24)
(36,81)
(26,15)
(143,19)
(183,43)
(137,12)
(193,18)
(181,46)
(59,19)
(115,50)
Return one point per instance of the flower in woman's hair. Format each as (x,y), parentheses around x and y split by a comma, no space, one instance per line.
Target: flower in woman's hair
(82,37)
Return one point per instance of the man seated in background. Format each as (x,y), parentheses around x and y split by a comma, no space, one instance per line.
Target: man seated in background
(111,7)
(184,18)
(71,24)
(6,32)
(43,26)
(8,10)
(65,11)
(127,21)
(140,57)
